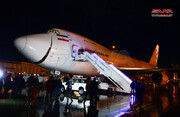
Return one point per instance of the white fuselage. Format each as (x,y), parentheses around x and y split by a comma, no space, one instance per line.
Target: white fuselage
(56,51)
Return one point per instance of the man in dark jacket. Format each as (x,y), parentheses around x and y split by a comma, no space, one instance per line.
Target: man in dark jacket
(139,94)
(33,90)
(49,88)
(93,90)
(57,86)
(133,85)
(19,85)
(7,85)
(87,88)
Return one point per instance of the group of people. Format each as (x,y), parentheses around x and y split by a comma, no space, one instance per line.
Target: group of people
(11,87)
(14,84)
(54,85)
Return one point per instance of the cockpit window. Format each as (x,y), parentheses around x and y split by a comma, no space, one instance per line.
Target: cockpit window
(54,31)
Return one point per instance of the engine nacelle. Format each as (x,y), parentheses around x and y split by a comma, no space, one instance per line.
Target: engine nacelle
(157,77)
(160,77)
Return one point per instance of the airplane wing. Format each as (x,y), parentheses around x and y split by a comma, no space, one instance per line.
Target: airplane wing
(159,75)
(137,71)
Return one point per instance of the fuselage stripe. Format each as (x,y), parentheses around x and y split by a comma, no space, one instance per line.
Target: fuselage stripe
(61,39)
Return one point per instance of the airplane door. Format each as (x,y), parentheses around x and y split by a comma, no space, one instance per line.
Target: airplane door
(74,51)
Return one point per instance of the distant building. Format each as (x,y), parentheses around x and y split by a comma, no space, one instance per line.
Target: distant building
(22,67)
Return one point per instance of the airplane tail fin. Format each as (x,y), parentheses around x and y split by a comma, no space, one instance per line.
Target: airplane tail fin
(154,57)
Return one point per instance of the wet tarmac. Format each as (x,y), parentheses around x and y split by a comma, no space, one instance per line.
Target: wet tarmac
(158,101)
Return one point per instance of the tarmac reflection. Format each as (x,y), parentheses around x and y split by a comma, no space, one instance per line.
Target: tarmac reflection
(47,110)
(67,110)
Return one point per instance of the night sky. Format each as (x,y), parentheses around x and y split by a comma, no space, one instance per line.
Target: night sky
(128,24)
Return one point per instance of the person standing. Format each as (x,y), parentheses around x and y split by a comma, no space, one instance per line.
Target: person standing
(57,86)
(133,85)
(1,84)
(69,87)
(7,85)
(36,88)
(87,88)
(49,88)
(19,85)
(93,90)
(32,84)
(139,94)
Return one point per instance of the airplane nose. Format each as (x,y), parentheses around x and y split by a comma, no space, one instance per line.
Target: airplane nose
(34,47)
(20,43)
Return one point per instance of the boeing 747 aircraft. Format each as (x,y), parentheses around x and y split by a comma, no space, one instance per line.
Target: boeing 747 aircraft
(61,50)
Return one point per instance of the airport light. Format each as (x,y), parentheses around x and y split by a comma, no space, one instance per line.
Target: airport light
(113,47)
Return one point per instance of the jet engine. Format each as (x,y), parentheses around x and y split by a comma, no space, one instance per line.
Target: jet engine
(160,77)
(157,77)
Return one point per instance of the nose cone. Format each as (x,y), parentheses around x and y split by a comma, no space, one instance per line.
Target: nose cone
(20,43)
(34,47)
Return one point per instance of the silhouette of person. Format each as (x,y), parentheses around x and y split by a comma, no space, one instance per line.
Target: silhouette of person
(93,90)
(1,84)
(139,94)
(49,88)
(133,85)
(7,85)
(19,85)
(87,88)
(33,90)
(57,86)
(37,88)
(69,87)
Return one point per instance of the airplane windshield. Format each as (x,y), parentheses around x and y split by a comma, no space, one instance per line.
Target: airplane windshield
(54,31)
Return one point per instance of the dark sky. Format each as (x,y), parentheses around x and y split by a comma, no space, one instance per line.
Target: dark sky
(128,24)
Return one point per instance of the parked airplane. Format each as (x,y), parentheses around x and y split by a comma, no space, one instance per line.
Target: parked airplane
(57,50)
